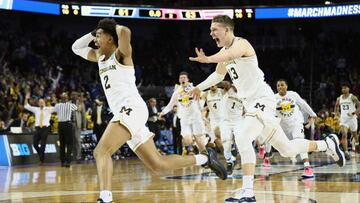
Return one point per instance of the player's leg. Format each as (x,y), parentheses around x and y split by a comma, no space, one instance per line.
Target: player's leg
(218,138)
(267,156)
(289,148)
(344,129)
(298,133)
(355,135)
(148,153)
(198,130)
(115,135)
(186,134)
(245,133)
(227,140)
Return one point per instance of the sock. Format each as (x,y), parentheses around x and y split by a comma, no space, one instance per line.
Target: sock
(268,148)
(306,164)
(200,159)
(106,195)
(321,146)
(248,184)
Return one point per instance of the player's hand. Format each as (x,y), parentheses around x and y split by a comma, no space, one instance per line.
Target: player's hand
(195,93)
(27,96)
(201,58)
(161,115)
(350,114)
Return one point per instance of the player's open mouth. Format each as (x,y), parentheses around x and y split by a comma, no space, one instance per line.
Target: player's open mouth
(217,40)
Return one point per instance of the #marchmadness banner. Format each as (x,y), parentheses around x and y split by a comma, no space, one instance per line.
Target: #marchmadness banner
(19,150)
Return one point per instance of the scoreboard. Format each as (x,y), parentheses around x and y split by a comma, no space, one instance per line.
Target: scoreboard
(153,13)
(118,11)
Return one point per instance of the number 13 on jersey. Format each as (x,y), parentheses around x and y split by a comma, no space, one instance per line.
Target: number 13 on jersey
(232,72)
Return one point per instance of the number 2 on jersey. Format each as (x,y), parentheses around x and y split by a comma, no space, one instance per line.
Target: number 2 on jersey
(106,79)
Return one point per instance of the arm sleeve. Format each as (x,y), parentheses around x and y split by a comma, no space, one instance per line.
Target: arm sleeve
(304,106)
(213,79)
(73,107)
(80,46)
(170,105)
(30,108)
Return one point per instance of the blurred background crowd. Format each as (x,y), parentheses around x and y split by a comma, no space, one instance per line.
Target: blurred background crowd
(35,56)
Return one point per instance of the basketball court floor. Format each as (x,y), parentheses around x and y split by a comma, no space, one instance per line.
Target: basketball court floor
(133,182)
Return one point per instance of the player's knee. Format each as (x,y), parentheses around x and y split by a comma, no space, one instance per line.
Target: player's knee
(287,152)
(101,150)
(187,140)
(247,155)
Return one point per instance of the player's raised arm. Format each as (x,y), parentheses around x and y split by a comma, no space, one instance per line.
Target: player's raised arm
(81,47)
(337,107)
(124,49)
(213,79)
(357,104)
(239,48)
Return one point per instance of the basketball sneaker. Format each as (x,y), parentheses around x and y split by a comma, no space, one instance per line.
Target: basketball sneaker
(308,172)
(266,162)
(347,156)
(333,149)
(214,164)
(261,152)
(102,201)
(240,196)
(230,167)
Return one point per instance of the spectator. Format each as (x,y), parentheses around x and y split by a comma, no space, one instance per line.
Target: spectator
(99,117)
(152,122)
(23,123)
(78,119)
(42,125)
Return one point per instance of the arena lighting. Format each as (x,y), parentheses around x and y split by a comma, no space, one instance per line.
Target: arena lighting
(329,10)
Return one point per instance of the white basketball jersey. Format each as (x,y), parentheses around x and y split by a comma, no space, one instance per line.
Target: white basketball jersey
(248,78)
(287,109)
(347,105)
(232,105)
(214,103)
(188,107)
(118,82)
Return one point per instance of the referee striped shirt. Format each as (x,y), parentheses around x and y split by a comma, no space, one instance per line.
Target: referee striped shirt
(64,110)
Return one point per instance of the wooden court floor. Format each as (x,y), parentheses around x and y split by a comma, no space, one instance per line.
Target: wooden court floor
(134,183)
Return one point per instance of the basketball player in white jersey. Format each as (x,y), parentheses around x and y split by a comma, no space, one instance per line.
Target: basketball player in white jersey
(238,58)
(215,102)
(289,108)
(189,112)
(213,99)
(346,107)
(232,116)
(116,70)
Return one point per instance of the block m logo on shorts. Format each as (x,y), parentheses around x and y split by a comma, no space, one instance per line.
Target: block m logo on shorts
(126,110)
(260,106)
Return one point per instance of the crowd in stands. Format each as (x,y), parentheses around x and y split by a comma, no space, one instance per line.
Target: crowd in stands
(39,59)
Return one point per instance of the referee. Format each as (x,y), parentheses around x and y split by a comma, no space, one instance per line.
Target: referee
(64,110)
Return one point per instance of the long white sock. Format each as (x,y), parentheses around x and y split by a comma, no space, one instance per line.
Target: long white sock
(248,182)
(321,145)
(200,159)
(106,195)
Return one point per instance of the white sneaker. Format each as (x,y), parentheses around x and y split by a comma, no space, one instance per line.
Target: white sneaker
(334,150)
(241,196)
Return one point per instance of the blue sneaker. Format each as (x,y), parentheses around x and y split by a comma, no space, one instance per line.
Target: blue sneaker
(247,199)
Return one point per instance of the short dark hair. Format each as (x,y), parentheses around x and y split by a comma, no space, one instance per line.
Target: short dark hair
(184,73)
(282,80)
(224,19)
(346,84)
(109,27)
